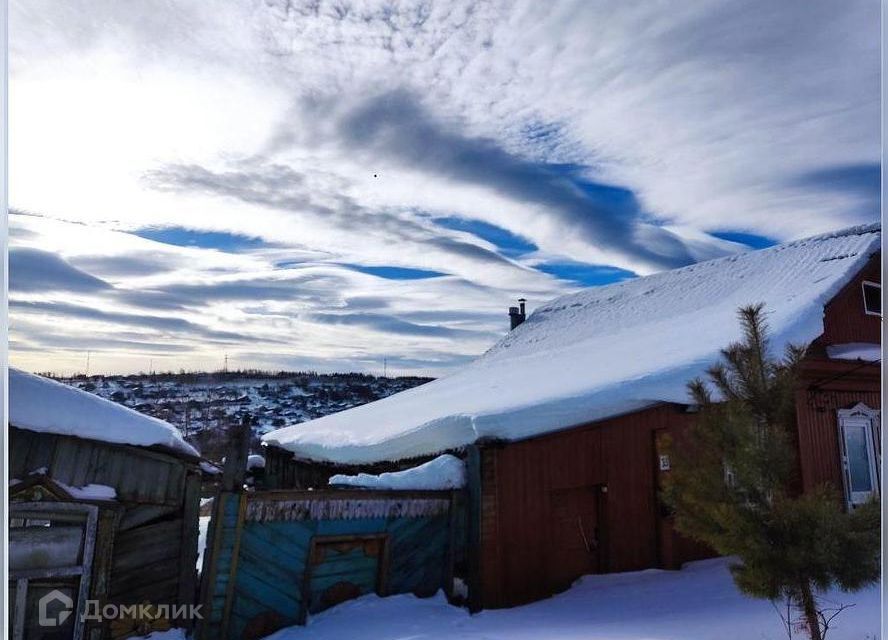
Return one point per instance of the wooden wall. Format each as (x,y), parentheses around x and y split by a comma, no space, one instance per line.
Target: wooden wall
(149,549)
(615,456)
(844,320)
(829,385)
(261,546)
(284,471)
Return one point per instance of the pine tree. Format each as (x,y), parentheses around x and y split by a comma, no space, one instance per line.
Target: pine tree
(735,485)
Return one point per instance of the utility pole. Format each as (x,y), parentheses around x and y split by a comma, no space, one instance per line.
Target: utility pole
(385,367)
(225,366)
(87,364)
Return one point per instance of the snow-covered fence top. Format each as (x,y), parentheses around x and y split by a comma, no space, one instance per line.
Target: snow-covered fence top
(47,406)
(599,353)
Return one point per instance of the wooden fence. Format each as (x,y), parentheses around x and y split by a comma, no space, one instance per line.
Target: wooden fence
(275,557)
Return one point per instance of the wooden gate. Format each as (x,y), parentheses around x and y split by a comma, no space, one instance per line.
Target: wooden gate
(275,557)
(344,567)
(575,535)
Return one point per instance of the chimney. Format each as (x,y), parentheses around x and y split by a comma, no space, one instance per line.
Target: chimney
(517,315)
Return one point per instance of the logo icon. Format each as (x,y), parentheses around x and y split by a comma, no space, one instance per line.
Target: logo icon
(54,608)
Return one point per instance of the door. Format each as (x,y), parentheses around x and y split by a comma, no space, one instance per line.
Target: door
(576,531)
(860,454)
(344,567)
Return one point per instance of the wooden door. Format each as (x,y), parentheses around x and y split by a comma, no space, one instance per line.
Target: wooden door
(344,567)
(575,543)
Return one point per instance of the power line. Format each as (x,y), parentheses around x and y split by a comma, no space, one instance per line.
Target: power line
(817,384)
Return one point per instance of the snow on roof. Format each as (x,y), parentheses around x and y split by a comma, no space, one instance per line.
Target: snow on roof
(599,353)
(865,351)
(47,406)
(443,472)
(255,461)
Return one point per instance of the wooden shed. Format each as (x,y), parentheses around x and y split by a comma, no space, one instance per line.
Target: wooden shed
(104,505)
(563,422)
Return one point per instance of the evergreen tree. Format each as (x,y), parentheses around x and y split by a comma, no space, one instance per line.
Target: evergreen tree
(735,485)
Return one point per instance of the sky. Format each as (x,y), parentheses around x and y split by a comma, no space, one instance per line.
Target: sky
(369,185)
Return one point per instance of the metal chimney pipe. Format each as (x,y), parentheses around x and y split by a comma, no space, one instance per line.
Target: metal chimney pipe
(517,315)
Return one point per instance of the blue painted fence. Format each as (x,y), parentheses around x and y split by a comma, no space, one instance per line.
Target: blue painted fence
(275,557)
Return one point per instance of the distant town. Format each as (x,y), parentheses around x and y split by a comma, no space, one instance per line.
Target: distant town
(204,404)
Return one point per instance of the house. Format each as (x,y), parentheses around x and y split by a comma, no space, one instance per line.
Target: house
(562,422)
(103,506)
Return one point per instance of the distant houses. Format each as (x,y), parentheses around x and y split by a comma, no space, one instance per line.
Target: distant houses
(562,423)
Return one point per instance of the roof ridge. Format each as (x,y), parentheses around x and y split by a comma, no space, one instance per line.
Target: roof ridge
(856,230)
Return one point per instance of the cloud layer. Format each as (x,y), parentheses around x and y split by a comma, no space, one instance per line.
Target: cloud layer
(330,184)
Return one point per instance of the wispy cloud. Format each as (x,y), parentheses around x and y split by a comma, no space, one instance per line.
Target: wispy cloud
(284,171)
(35,270)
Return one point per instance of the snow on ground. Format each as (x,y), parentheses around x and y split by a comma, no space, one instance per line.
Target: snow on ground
(598,353)
(855,351)
(699,602)
(47,406)
(444,472)
(203,524)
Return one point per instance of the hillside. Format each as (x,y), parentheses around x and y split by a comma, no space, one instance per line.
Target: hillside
(203,404)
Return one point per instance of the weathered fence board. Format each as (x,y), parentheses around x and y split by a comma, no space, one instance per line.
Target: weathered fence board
(293,553)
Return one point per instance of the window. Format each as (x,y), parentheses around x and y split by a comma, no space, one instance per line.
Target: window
(872,298)
(861,453)
(50,557)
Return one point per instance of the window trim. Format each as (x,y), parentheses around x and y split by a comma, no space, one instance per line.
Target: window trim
(863,286)
(871,417)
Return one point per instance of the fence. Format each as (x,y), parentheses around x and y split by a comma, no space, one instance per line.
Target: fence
(275,557)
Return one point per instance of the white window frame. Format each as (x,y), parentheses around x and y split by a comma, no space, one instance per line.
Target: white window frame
(863,286)
(870,418)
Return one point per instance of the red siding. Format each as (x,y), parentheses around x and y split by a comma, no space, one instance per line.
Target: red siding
(620,454)
(827,387)
(844,319)
(830,385)
(517,481)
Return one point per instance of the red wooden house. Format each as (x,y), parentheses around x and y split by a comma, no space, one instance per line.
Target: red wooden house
(561,423)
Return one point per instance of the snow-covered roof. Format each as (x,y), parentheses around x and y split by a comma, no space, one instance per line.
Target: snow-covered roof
(41,404)
(599,353)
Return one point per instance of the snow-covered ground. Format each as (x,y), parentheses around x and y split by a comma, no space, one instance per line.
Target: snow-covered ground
(203,524)
(699,602)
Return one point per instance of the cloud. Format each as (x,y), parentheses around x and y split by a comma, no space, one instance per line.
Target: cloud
(162,324)
(127,265)
(391,324)
(264,145)
(33,270)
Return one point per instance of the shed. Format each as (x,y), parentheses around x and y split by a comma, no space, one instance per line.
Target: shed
(562,421)
(103,507)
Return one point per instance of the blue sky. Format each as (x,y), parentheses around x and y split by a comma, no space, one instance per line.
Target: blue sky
(348,181)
